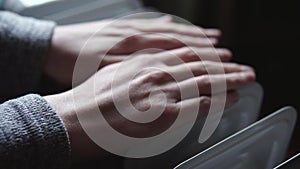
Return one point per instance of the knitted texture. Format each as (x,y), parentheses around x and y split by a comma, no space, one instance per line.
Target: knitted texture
(32,136)
(23,43)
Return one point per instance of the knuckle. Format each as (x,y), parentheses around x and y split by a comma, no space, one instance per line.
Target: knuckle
(156,76)
(172,108)
(171,112)
(205,102)
(189,52)
(173,91)
(132,39)
(159,73)
(129,42)
(205,82)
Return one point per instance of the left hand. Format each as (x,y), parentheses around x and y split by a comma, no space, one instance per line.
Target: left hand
(116,40)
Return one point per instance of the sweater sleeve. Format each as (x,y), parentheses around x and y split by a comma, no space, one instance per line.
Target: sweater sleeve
(23,43)
(32,136)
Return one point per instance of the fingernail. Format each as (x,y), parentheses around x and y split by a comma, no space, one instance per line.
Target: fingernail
(249,75)
(213,32)
(166,18)
(224,52)
(245,68)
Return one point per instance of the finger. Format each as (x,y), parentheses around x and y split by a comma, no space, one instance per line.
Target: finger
(111,59)
(154,25)
(179,28)
(205,102)
(172,41)
(221,83)
(145,41)
(183,71)
(164,18)
(213,33)
(192,40)
(133,22)
(188,54)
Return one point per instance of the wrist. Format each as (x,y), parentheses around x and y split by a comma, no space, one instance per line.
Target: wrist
(63,106)
(62,103)
(82,147)
(59,61)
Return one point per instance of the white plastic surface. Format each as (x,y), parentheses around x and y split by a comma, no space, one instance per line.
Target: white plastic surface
(76,11)
(31,3)
(244,113)
(292,163)
(262,145)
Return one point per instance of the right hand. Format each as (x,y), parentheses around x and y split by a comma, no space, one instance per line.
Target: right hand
(124,37)
(148,82)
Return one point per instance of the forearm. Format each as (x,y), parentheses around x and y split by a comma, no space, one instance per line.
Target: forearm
(32,135)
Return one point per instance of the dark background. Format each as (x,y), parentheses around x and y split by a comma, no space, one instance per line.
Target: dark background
(262,33)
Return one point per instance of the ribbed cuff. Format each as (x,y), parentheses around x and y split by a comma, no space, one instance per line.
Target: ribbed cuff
(24,43)
(34,134)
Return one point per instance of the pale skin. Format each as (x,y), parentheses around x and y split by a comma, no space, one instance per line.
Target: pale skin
(67,42)
(145,83)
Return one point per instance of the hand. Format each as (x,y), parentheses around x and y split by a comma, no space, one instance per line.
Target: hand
(145,85)
(126,36)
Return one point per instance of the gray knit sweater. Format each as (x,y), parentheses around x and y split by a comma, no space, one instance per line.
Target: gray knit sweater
(31,134)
